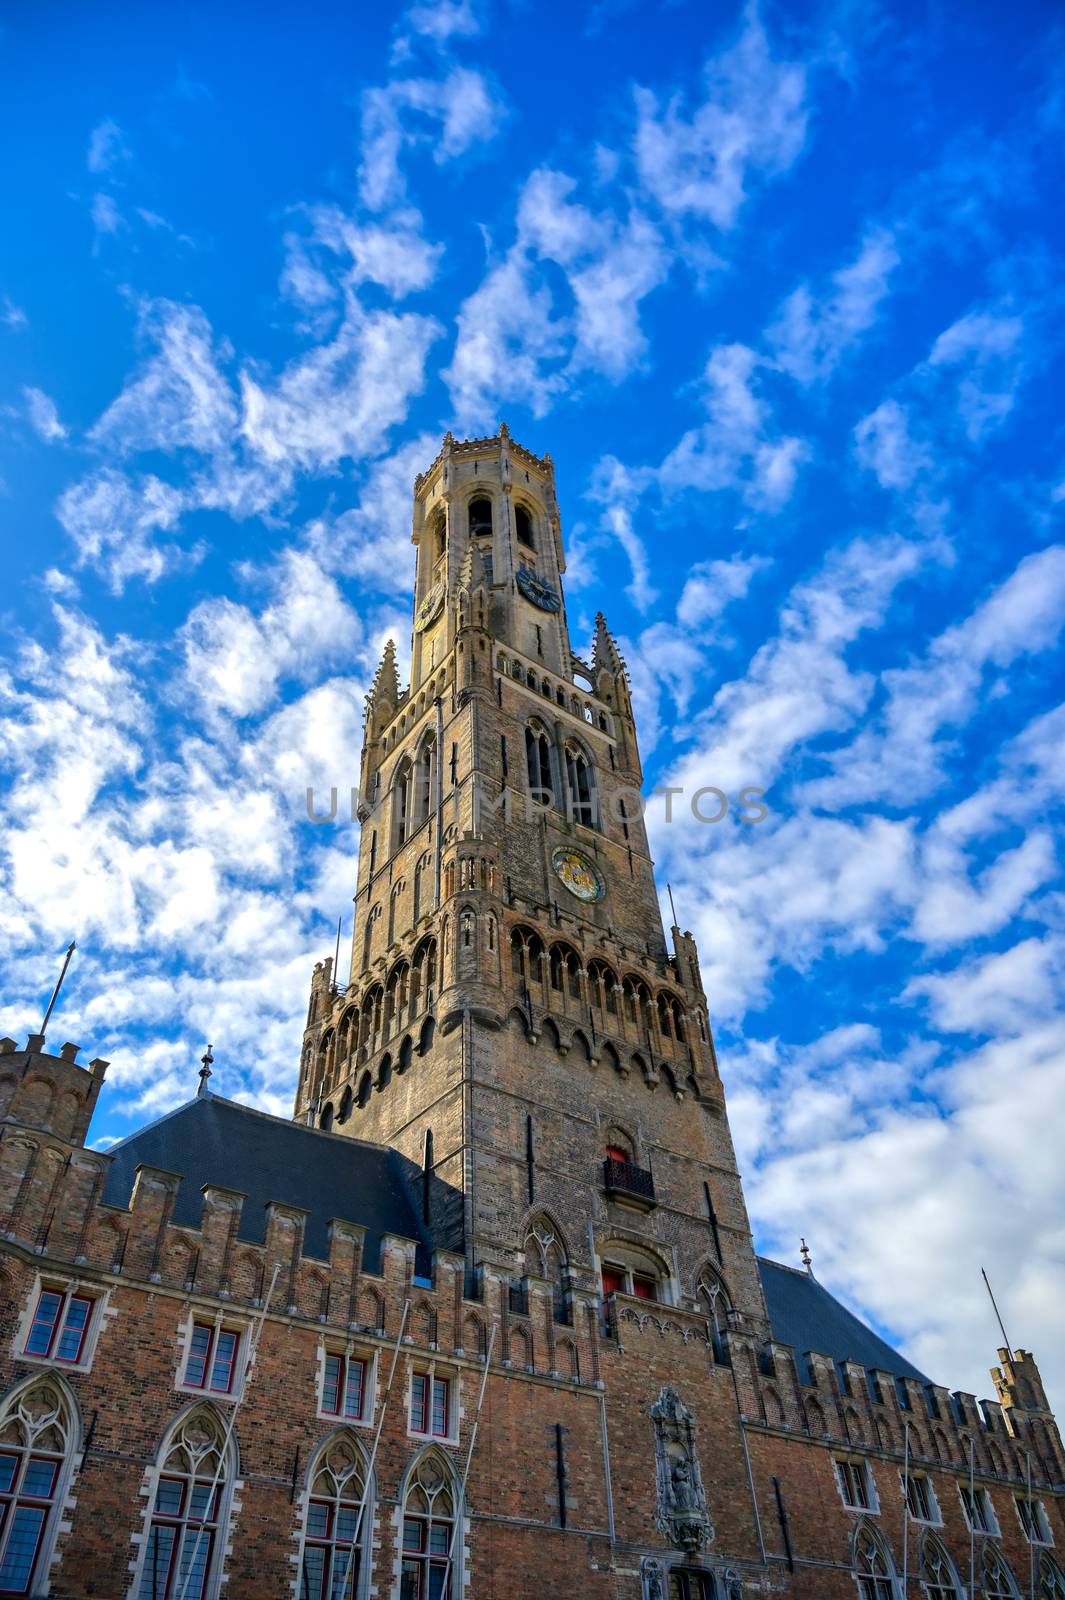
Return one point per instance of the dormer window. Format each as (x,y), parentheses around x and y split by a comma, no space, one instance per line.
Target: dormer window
(523,528)
(480,518)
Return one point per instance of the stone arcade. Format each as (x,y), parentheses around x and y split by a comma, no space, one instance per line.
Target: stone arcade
(242,1356)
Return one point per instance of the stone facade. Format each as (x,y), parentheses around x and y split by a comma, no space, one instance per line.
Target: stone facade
(514,1027)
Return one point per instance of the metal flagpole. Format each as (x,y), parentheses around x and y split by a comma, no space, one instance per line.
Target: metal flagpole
(350,1573)
(249,1369)
(906,1509)
(461,1506)
(994,1304)
(972,1518)
(55,992)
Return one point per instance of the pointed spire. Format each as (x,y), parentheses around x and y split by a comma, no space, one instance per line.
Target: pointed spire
(207,1061)
(605,652)
(386,681)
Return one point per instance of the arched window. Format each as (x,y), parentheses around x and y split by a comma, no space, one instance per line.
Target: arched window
(523,527)
(424,796)
(401,803)
(185,1543)
(712,1298)
(539,765)
(325,1122)
(937,1571)
(1051,1580)
(365,1090)
(480,518)
(344,1111)
(431,1552)
(439,536)
(873,1566)
(581,780)
(999,1582)
(628,1270)
(334,1530)
(38,1435)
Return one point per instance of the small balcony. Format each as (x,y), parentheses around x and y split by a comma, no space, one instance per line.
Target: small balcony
(631,1185)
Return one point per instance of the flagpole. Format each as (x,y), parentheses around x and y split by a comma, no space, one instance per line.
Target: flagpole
(460,1508)
(972,1518)
(55,992)
(906,1509)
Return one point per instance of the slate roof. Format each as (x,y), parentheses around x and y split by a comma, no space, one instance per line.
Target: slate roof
(803,1314)
(218,1141)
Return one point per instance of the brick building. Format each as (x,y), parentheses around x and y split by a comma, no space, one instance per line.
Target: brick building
(485,1317)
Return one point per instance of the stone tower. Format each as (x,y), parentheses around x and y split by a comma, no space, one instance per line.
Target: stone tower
(513,1021)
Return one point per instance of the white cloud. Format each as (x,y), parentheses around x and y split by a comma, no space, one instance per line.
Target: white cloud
(1004,992)
(712,585)
(106,217)
(809,337)
(341,398)
(735,449)
(884,445)
(44,416)
(107,147)
(752,124)
(449,116)
(114,522)
(442,20)
(11,315)
(988,348)
(506,339)
(181,398)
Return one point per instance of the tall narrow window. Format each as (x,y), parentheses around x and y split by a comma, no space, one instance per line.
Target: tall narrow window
(581,787)
(430,1404)
(189,1510)
(334,1537)
(428,1526)
(523,528)
(854,1484)
(539,766)
(401,803)
(425,782)
(999,1582)
(344,1386)
(920,1501)
(36,1439)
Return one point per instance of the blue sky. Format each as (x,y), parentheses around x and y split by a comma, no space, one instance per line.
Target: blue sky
(780,291)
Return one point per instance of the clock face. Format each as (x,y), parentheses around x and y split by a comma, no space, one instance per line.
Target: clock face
(429,609)
(535,589)
(578,874)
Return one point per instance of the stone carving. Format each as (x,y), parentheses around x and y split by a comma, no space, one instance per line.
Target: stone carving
(682,1512)
(652,1580)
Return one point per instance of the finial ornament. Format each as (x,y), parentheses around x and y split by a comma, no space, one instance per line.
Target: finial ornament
(804,1251)
(205,1072)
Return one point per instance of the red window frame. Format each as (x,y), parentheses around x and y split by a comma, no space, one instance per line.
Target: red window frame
(332,1544)
(420,1560)
(185,1524)
(211,1359)
(15,1498)
(340,1386)
(58,1328)
(430,1399)
(643,1287)
(919,1498)
(616,1153)
(855,1480)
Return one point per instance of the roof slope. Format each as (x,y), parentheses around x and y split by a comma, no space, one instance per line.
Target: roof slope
(217,1141)
(803,1314)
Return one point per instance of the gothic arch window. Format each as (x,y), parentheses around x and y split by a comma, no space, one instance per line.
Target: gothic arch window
(565,969)
(344,1111)
(526,951)
(539,765)
(425,1038)
(190,1492)
(424,781)
(368,936)
(420,870)
(335,1524)
(580,778)
(602,987)
(38,1436)
(432,1553)
(546,1257)
(714,1302)
(937,1571)
(999,1582)
(626,1269)
(402,796)
(365,1090)
(523,527)
(479,518)
(873,1566)
(468,929)
(325,1121)
(1051,1580)
(439,536)
(406,1050)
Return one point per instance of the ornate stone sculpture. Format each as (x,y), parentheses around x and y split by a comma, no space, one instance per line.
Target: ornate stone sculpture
(682,1513)
(652,1580)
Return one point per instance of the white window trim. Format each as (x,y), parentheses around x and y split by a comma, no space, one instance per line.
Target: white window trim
(873,1508)
(350,1350)
(435,1369)
(102,1311)
(219,1319)
(935,1519)
(992,1531)
(229,1508)
(1046,1539)
(368,1533)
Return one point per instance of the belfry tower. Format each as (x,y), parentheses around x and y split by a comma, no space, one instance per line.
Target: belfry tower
(513,1021)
